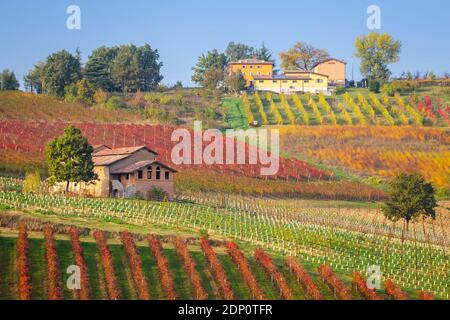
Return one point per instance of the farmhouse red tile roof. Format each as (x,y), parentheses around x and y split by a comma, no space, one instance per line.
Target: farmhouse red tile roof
(251,61)
(108,160)
(331,59)
(121,151)
(139,165)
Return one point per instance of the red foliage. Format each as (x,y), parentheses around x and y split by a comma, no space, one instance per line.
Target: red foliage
(108,266)
(339,288)
(426,296)
(189,266)
(25,287)
(361,285)
(53,275)
(304,278)
(165,274)
(139,278)
(444,115)
(395,292)
(85,290)
(274,274)
(217,270)
(27,137)
(246,272)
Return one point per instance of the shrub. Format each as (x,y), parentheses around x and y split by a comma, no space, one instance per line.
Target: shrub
(390,89)
(374,86)
(100,97)
(32,182)
(151,97)
(157,194)
(340,90)
(114,103)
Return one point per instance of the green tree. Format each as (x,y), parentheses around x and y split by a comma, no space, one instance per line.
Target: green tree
(98,68)
(149,68)
(302,56)
(238,51)
(410,197)
(235,82)
(125,69)
(263,53)
(82,92)
(33,79)
(60,70)
(376,52)
(8,81)
(69,158)
(209,70)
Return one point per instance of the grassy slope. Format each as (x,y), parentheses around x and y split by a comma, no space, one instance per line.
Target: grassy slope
(15,105)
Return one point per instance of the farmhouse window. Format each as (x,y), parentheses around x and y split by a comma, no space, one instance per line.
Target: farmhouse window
(167,175)
(275,81)
(294,81)
(319,80)
(149,173)
(158,173)
(140,174)
(261,81)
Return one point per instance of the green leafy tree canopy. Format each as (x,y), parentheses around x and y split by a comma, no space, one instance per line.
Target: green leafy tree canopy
(209,70)
(8,81)
(60,70)
(376,52)
(69,158)
(410,197)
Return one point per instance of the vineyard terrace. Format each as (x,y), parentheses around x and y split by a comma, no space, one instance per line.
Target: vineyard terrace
(236,146)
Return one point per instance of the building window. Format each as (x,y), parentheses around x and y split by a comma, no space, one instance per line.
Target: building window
(261,81)
(243,73)
(140,174)
(158,173)
(259,67)
(243,67)
(284,81)
(319,80)
(149,173)
(275,81)
(251,67)
(251,73)
(167,175)
(306,81)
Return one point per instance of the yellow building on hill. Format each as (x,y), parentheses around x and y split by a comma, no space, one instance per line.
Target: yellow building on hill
(293,81)
(252,68)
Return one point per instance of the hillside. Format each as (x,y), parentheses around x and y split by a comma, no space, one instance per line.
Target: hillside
(344,236)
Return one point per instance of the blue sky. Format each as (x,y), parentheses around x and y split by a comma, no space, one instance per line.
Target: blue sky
(182,29)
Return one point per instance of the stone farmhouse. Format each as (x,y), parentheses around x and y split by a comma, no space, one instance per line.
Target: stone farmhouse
(127,172)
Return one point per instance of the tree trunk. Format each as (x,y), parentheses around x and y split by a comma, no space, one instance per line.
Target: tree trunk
(67,186)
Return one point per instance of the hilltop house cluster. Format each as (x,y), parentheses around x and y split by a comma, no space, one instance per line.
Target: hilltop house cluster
(259,76)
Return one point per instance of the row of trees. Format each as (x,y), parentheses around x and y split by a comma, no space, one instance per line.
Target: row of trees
(125,68)
(209,72)
(8,80)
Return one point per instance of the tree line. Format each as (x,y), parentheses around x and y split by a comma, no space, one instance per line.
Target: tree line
(126,68)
